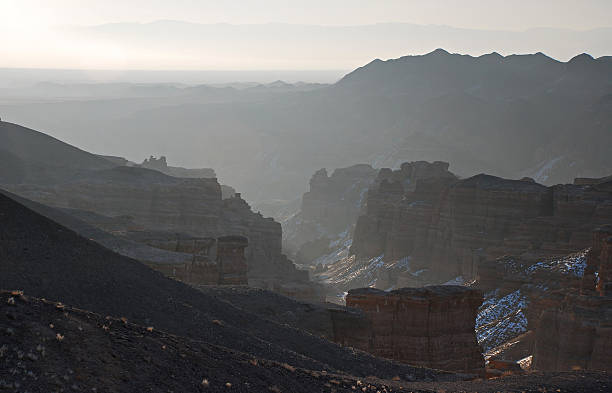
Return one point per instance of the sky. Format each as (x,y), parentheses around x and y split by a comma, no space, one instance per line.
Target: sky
(478,14)
(33,32)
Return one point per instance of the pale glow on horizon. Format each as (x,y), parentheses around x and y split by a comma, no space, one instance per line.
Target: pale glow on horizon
(44,33)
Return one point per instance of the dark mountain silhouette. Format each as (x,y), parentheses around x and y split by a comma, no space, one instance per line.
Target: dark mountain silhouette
(511,116)
(28,156)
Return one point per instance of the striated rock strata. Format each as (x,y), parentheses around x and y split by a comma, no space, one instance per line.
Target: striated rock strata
(431,326)
(556,310)
(577,334)
(449,226)
(213,261)
(329,209)
(152,201)
(575,331)
(160,164)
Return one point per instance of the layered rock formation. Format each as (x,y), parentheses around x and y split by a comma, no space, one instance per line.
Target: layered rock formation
(157,202)
(124,198)
(160,164)
(399,209)
(575,330)
(598,274)
(334,201)
(41,258)
(231,261)
(213,261)
(554,309)
(329,209)
(430,326)
(150,333)
(151,201)
(576,334)
(448,226)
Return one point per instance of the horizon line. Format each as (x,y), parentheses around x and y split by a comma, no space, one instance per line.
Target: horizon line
(332,25)
(308,70)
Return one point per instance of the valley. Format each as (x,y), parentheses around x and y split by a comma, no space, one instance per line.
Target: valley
(437,222)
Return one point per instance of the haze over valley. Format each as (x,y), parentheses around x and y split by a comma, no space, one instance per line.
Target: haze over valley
(299,196)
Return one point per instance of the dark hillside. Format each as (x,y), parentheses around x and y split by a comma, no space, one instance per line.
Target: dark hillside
(28,156)
(47,260)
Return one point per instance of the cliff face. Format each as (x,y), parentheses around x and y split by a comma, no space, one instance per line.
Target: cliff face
(157,202)
(598,274)
(553,309)
(448,226)
(329,209)
(575,331)
(576,334)
(399,209)
(160,164)
(430,326)
(334,201)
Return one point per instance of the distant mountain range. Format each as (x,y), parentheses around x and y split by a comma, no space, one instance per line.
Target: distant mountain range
(516,115)
(512,116)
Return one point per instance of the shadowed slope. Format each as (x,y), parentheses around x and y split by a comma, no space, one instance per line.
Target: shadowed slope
(47,260)
(28,156)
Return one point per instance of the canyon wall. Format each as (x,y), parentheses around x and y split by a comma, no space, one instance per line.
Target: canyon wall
(334,201)
(219,261)
(399,208)
(575,332)
(598,272)
(448,226)
(152,201)
(329,208)
(160,164)
(556,309)
(430,327)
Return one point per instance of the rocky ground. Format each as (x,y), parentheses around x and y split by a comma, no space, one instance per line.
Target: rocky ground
(50,347)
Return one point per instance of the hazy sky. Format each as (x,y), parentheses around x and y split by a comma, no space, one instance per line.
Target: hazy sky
(29,34)
(480,14)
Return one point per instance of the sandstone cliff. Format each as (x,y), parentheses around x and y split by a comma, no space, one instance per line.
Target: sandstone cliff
(575,331)
(575,334)
(430,326)
(157,202)
(448,226)
(160,164)
(328,211)
(554,309)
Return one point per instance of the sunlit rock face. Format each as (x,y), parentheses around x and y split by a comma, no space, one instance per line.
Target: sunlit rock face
(449,226)
(431,326)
